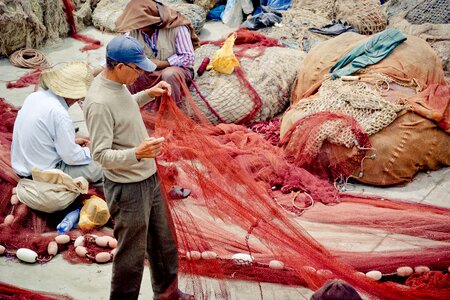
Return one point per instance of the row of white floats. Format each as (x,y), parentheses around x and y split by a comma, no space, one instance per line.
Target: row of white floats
(14,200)
(30,256)
(246,259)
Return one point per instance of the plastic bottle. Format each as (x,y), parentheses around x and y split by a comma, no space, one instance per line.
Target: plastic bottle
(69,221)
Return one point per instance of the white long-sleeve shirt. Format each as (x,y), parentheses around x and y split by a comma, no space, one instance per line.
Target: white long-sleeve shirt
(44,135)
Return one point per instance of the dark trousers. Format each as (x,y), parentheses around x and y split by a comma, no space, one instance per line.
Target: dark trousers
(141,228)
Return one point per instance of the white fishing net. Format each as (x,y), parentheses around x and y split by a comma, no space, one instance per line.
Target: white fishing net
(420,11)
(293,30)
(367,16)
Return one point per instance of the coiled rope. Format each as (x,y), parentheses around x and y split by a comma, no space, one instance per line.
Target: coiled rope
(29,58)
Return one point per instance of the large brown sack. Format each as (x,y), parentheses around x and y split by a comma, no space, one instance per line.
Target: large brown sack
(412,60)
(410,144)
(415,140)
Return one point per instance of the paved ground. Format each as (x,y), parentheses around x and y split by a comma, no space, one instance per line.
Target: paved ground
(92,281)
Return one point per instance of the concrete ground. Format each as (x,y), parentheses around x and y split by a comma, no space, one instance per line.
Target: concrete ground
(92,281)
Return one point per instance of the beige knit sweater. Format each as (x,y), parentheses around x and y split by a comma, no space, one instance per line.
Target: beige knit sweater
(116,128)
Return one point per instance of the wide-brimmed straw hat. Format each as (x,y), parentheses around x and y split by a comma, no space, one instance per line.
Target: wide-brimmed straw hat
(70,80)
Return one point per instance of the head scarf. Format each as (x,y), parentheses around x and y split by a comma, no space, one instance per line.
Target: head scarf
(139,14)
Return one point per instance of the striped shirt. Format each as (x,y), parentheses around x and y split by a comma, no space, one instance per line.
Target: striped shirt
(184,56)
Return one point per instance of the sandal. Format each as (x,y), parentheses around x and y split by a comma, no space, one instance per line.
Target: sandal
(177,192)
(184,296)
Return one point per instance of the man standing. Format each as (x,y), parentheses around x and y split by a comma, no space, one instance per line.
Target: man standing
(44,135)
(169,41)
(120,143)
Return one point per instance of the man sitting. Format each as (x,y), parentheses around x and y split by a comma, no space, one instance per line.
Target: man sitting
(44,135)
(168,39)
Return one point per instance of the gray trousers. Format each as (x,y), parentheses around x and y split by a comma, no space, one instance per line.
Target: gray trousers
(142,227)
(92,172)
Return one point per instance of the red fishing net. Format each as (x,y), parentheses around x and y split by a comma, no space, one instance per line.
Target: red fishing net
(305,144)
(9,292)
(27,79)
(247,198)
(247,39)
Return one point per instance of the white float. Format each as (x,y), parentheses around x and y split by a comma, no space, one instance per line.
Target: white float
(27,255)
(242,258)
(375,275)
(276,264)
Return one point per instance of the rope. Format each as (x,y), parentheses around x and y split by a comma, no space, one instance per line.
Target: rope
(215,113)
(28,58)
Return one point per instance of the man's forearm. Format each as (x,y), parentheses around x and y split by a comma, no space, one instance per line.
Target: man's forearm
(160,64)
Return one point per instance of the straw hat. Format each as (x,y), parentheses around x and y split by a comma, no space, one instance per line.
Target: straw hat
(70,80)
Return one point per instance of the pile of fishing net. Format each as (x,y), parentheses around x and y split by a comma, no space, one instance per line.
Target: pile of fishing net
(33,24)
(257,90)
(419,11)
(205,4)
(82,12)
(367,16)
(107,12)
(428,20)
(381,129)
(341,114)
(30,24)
(247,199)
(293,30)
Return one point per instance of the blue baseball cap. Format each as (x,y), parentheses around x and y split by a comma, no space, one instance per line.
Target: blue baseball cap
(126,49)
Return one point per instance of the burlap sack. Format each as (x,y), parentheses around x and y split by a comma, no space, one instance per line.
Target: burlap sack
(402,64)
(50,190)
(271,75)
(408,145)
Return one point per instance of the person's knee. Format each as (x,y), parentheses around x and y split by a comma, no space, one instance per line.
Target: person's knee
(169,74)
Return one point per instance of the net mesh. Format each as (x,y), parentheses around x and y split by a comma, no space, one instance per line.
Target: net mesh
(358,100)
(294,33)
(323,8)
(419,11)
(367,16)
(239,182)
(24,15)
(263,81)
(434,11)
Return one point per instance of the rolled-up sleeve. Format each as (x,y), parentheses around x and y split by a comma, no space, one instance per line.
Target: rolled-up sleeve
(185,55)
(64,141)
